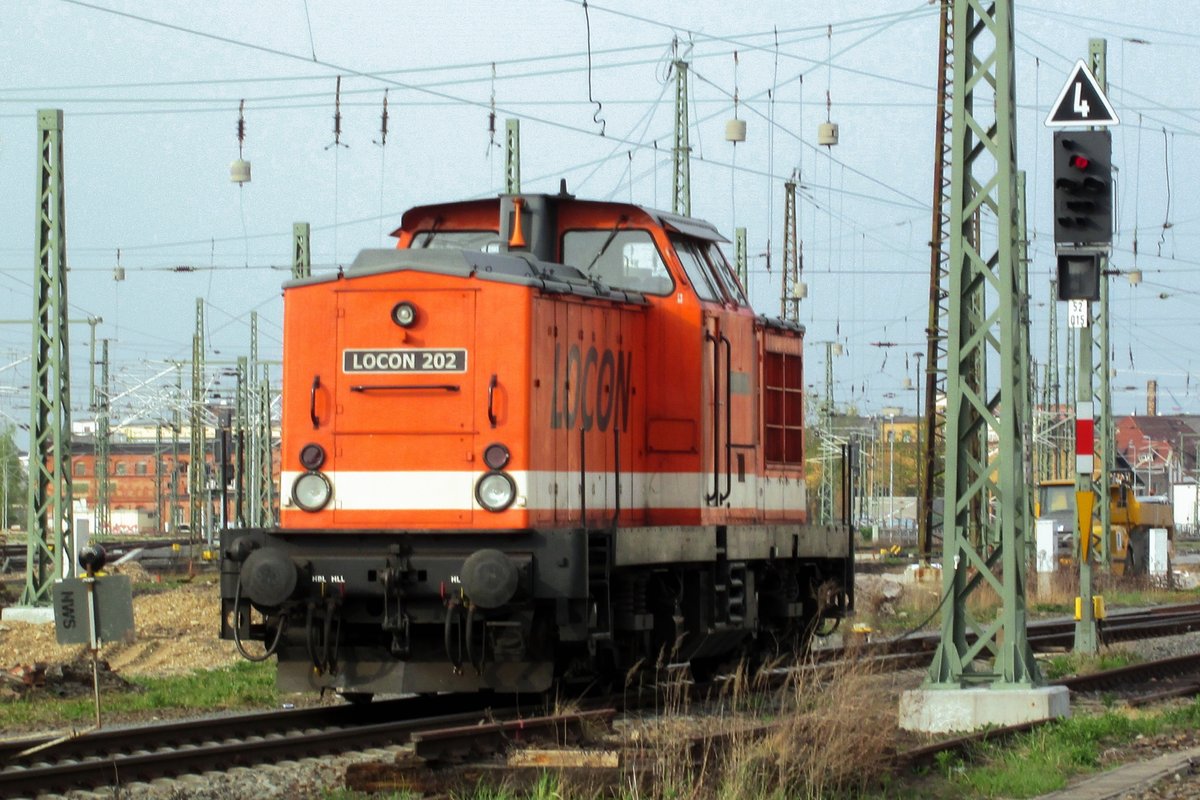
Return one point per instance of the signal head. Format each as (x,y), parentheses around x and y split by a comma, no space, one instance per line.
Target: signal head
(1083,188)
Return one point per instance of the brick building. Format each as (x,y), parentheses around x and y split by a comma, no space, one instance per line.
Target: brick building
(134,481)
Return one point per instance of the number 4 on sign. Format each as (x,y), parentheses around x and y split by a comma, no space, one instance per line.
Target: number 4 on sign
(1081,102)
(1081,105)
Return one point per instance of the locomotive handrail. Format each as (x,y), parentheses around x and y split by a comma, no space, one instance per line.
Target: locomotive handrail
(728,419)
(713,497)
(448,387)
(312,402)
(491,412)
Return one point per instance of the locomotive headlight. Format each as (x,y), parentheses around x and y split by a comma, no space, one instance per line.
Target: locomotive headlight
(404,314)
(495,491)
(311,491)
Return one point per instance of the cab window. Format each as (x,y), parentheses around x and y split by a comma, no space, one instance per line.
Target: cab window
(697,269)
(720,266)
(624,259)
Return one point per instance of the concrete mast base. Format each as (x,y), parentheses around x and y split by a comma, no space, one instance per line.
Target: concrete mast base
(962,710)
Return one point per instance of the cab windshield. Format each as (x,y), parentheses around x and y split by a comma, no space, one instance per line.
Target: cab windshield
(618,259)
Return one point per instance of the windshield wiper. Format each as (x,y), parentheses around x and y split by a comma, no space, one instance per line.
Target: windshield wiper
(604,247)
(433,231)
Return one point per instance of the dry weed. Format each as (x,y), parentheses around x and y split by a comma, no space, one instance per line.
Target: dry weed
(818,736)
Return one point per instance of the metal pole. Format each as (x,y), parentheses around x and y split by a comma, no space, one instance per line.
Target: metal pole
(1086,638)
(740,262)
(239,428)
(512,156)
(920,465)
(1106,431)
(196,451)
(51,529)
(176,429)
(984,325)
(681,200)
(301,252)
(933,423)
(265,460)
(103,517)
(789,298)
(159,494)
(891,473)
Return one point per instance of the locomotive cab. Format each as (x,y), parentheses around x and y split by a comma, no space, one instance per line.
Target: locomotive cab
(540,438)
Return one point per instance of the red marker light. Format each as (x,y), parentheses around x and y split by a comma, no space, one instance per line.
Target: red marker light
(1080,162)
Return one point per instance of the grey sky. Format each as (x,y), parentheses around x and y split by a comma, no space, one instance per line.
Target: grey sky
(151,115)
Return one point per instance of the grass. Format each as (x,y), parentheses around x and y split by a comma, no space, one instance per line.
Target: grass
(1061,665)
(1046,759)
(243,686)
(830,729)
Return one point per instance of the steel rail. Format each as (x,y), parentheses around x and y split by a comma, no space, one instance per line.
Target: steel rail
(140,753)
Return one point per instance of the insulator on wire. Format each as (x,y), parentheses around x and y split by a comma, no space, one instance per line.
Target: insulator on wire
(383,122)
(239,170)
(337,116)
(492,113)
(241,126)
(735,129)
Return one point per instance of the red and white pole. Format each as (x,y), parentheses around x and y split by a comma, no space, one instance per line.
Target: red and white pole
(1085,438)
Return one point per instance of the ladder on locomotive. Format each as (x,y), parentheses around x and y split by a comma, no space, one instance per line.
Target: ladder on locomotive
(600,563)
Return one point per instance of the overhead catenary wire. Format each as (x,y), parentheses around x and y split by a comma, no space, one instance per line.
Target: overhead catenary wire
(381,142)
(587,19)
(628,151)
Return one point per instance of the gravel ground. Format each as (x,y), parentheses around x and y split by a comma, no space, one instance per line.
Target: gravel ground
(286,780)
(176,633)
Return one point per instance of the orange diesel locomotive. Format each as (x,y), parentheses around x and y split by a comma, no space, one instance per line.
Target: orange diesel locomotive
(543,438)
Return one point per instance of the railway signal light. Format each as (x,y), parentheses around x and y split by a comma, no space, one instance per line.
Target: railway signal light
(1083,212)
(1079,276)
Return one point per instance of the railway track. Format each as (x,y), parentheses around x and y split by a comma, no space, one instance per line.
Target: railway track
(1051,635)
(141,753)
(12,555)
(37,765)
